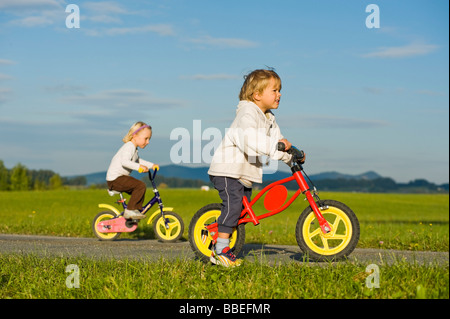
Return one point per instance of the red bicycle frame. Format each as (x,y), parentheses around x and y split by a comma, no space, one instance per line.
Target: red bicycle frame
(280,196)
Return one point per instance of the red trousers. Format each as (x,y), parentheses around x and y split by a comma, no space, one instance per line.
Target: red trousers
(132,186)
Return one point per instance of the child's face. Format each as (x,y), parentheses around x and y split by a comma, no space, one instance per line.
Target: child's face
(142,138)
(269,99)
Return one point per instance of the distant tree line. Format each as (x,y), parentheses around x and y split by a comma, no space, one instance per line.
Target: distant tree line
(176,182)
(19,178)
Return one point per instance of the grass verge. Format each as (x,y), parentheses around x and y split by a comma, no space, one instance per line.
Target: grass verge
(33,277)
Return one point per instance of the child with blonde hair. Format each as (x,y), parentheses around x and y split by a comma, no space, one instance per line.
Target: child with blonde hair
(236,163)
(124,162)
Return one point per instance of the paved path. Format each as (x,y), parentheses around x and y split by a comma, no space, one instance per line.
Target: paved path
(153,250)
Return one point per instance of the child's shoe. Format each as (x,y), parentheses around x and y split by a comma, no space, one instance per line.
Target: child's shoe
(226,258)
(133,214)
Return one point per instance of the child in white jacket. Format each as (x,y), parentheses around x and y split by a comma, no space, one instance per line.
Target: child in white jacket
(236,163)
(126,160)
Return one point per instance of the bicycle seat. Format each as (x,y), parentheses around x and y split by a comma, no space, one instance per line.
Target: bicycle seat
(113,192)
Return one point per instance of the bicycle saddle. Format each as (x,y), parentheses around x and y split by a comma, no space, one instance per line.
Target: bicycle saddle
(113,192)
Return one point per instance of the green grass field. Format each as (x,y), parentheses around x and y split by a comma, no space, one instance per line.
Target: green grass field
(394,221)
(31,277)
(389,221)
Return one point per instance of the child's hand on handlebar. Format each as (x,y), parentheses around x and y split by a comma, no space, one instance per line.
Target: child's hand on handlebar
(298,155)
(155,167)
(287,144)
(143,169)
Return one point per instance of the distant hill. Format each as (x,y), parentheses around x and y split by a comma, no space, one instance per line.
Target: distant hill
(95,178)
(201,173)
(324,176)
(184,176)
(335,175)
(184,172)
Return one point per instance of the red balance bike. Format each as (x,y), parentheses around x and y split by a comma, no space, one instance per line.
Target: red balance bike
(325,230)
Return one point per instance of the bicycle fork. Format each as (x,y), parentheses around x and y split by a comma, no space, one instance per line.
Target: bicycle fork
(163,215)
(305,189)
(161,207)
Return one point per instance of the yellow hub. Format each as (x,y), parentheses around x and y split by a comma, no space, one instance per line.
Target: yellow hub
(168,233)
(334,241)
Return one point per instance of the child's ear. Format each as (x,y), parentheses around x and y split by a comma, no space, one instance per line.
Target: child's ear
(256,96)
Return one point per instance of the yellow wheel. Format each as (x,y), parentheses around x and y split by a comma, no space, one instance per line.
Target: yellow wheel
(201,240)
(99,218)
(175,230)
(339,242)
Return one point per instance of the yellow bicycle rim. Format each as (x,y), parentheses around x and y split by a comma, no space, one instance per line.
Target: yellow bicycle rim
(200,232)
(168,233)
(334,241)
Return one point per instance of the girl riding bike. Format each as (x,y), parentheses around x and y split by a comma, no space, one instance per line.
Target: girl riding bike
(124,161)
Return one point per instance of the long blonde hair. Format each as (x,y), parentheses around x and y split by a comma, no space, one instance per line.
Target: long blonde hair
(136,127)
(257,81)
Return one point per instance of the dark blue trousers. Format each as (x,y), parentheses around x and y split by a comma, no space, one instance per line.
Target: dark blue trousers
(231,192)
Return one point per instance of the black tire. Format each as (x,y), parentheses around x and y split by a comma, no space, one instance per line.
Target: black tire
(197,230)
(175,231)
(336,245)
(97,219)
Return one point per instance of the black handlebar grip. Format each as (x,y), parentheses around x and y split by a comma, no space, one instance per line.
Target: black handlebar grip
(295,152)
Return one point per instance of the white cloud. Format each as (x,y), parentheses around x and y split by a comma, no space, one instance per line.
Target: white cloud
(37,13)
(414,49)
(402,91)
(4,77)
(27,5)
(373,90)
(105,7)
(4,94)
(66,89)
(6,62)
(34,21)
(333,122)
(104,12)
(223,42)
(432,93)
(160,29)
(33,13)
(102,18)
(112,103)
(209,77)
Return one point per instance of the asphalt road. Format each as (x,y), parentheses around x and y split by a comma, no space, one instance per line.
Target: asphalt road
(152,250)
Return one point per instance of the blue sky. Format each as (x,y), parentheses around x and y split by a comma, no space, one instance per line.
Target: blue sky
(354,98)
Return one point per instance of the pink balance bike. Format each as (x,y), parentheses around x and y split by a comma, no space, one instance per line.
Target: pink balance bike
(325,230)
(168,226)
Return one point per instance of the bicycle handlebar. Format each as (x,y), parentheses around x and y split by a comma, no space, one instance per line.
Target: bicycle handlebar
(281,146)
(299,155)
